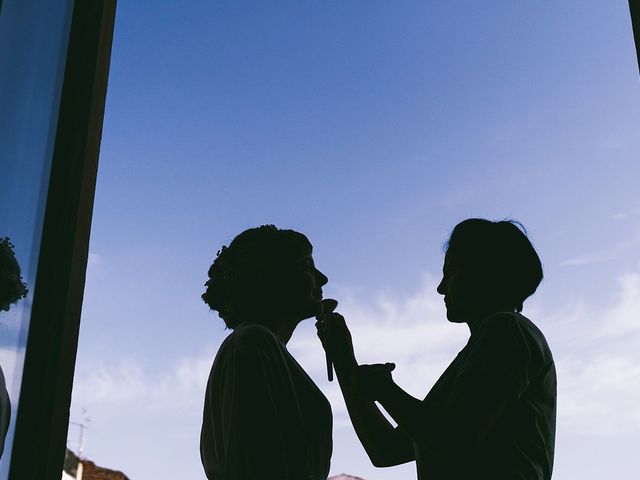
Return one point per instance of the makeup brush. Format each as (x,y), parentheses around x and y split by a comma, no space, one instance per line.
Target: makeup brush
(328,306)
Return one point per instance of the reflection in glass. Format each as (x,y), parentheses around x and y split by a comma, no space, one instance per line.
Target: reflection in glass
(33,44)
(12,289)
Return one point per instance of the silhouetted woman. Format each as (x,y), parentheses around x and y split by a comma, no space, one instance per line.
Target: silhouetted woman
(492,413)
(264,418)
(12,289)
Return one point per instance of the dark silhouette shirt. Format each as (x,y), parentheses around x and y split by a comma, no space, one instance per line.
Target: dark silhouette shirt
(264,418)
(5,411)
(506,360)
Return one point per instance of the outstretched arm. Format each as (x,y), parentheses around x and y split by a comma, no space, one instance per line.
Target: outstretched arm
(375,382)
(493,374)
(471,412)
(385,445)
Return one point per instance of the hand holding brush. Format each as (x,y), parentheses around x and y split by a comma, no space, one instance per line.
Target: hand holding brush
(335,338)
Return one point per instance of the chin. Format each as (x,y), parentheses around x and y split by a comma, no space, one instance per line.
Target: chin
(313,310)
(317,308)
(454,317)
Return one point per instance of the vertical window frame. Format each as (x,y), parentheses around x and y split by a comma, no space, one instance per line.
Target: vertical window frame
(43,409)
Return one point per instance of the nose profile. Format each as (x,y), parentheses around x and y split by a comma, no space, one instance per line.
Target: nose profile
(441,287)
(322,278)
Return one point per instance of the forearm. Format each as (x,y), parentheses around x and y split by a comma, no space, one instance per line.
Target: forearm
(384,444)
(376,434)
(461,423)
(412,416)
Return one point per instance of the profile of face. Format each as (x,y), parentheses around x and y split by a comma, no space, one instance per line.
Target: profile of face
(488,267)
(461,287)
(303,287)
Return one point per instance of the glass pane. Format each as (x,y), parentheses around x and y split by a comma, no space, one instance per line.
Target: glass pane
(33,42)
(372,127)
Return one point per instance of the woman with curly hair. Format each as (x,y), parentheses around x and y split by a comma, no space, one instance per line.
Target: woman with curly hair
(492,413)
(264,418)
(12,289)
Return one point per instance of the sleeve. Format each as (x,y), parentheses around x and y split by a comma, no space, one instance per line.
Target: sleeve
(259,424)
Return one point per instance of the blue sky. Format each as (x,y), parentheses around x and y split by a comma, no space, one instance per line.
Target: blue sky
(373,128)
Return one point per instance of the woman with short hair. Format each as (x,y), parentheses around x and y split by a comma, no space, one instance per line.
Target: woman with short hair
(492,413)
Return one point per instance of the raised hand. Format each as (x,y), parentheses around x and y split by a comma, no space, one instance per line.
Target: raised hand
(372,381)
(335,336)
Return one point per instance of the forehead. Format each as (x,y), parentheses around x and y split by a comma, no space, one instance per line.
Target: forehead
(450,261)
(304,258)
(449,257)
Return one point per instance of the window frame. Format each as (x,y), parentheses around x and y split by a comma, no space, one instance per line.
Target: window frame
(43,409)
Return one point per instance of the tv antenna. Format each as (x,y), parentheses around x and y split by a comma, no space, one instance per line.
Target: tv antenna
(82,425)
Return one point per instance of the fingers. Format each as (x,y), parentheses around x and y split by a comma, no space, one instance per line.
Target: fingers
(371,381)
(328,306)
(334,335)
(378,367)
(332,325)
(328,323)
(329,318)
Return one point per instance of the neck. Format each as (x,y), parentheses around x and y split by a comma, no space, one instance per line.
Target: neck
(483,313)
(284,330)
(283,327)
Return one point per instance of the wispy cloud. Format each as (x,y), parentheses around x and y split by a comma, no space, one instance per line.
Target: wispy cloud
(130,382)
(630,212)
(600,257)
(598,363)
(596,353)
(586,260)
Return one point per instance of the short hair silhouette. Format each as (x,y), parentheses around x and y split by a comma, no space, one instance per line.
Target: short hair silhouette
(502,253)
(246,277)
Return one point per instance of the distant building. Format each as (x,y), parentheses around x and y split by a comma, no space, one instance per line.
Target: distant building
(90,471)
